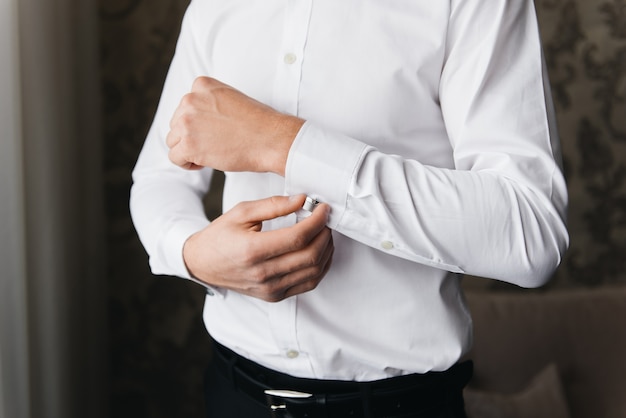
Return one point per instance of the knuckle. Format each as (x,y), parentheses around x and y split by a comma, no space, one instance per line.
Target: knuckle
(276,201)
(256,277)
(202,82)
(242,208)
(312,285)
(315,257)
(312,260)
(185,121)
(188,101)
(317,270)
(273,298)
(263,276)
(257,274)
(249,259)
(271,293)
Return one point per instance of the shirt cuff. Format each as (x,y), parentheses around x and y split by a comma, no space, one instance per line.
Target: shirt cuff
(172,252)
(322,165)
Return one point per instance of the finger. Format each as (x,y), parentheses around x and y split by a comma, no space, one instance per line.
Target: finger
(313,276)
(205,83)
(256,211)
(184,116)
(280,287)
(181,119)
(310,257)
(172,139)
(189,109)
(178,155)
(270,244)
(296,237)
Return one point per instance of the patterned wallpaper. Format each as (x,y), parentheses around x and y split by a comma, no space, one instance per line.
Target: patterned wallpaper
(585,43)
(158,345)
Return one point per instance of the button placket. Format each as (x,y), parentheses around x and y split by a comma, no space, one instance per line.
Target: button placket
(283,315)
(289,64)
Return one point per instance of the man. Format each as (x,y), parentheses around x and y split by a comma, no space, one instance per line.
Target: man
(425,131)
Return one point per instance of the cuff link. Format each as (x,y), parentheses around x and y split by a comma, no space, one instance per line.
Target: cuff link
(307,208)
(310,204)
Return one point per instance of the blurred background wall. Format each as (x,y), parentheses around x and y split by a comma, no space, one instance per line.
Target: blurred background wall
(85,326)
(158,344)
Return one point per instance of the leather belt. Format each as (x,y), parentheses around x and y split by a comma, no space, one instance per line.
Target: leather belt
(419,395)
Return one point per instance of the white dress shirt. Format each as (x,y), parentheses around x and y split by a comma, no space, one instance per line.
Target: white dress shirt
(429,133)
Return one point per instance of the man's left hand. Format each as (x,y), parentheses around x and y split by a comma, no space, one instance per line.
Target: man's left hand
(217,126)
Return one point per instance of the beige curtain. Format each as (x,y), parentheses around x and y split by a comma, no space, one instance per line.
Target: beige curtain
(52,335)
(13,320)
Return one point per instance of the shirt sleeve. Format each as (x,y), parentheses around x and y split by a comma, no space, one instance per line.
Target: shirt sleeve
(500,213)
(166,201)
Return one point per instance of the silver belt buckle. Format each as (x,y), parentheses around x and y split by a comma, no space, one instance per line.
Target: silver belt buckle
(278,408)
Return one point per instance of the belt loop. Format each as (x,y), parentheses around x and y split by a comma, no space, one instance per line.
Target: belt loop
(232,362)
(366,396)
(320,400)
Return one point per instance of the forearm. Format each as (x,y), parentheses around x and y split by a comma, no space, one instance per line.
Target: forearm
(476,187)
(485,222)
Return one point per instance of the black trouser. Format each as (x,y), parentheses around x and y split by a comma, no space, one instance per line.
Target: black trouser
(234,389)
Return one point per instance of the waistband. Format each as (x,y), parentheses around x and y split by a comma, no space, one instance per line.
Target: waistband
(289,396)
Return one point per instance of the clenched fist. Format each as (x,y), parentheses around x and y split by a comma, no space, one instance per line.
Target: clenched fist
(217,126)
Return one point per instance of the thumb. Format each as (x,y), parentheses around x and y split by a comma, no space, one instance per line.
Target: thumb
(269,208)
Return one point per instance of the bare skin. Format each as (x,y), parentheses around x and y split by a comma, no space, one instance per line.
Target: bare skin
(217,126)
(233,252)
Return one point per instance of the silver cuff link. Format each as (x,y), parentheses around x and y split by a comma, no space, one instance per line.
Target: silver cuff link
(307,208)
(310,204)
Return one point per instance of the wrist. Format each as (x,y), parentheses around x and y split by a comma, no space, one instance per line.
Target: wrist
(286,131)
(188,258)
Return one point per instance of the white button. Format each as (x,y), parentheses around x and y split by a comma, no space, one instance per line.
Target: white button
(387,245)
(292,354)
(210,292)
(290,58)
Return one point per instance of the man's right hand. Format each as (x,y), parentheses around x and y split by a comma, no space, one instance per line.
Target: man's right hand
(234,253)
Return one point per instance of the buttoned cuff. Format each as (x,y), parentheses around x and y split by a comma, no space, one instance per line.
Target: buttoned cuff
(322,165)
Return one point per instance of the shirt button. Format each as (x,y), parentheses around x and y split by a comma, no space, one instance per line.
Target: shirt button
(292,354)
(210,292)
(290,58)
(387,245)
